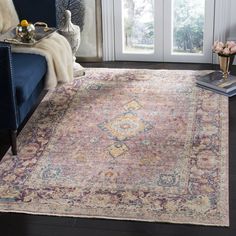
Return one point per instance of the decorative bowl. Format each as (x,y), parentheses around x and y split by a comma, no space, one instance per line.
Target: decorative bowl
(25,33)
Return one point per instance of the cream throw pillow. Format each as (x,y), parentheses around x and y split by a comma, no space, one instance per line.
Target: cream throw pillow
(8,15)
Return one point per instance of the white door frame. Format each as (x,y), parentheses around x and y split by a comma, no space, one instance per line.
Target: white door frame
(157,55)
(206,57)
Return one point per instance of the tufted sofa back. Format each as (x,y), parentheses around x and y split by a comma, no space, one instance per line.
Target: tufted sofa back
(33,11)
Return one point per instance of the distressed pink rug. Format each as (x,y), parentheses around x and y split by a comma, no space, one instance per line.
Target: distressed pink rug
(143,145)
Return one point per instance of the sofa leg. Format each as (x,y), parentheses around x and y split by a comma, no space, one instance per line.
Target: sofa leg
(13,135)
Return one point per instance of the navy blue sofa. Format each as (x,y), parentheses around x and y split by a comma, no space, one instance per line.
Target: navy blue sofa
(22,75)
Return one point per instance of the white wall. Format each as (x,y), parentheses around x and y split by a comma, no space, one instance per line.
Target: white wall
(232,26)
(88,45)
(225,22)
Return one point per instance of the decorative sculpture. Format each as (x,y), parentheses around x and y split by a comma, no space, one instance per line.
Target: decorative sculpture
(72,33)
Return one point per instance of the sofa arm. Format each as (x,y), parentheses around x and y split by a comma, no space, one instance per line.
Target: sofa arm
(8,118)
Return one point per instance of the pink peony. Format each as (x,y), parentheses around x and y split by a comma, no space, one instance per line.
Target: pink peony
(233,50)
(218,49)
(226,51)
(230,44)
(215,44)
(220,44)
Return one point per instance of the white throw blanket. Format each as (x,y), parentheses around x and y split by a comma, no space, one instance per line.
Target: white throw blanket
(55,48)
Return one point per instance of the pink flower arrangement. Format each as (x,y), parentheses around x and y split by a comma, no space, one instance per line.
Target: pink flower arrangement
(224,49)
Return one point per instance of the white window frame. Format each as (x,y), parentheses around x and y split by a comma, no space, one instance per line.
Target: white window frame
(221,26)
(206,57)
(120,55)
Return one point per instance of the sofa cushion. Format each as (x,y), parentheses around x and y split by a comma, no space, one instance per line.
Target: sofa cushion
(28,70)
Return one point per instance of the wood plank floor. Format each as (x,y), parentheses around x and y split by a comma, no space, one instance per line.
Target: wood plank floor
(30,225)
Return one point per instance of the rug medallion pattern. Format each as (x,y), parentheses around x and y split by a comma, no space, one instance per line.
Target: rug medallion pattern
(124,144)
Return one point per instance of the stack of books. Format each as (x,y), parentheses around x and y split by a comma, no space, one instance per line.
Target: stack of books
(216,83)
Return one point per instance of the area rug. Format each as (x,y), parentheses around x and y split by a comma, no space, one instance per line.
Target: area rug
(144,145)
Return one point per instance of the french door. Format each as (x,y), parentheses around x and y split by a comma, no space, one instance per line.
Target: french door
(164,30)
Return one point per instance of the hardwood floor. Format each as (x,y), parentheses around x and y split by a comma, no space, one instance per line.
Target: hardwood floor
(30,225)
